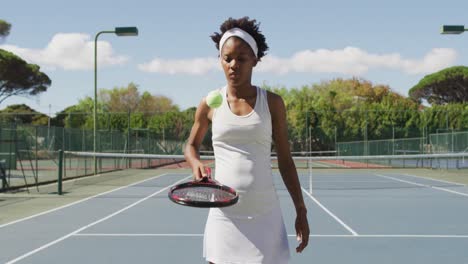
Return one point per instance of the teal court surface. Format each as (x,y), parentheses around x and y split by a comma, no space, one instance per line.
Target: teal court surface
(355,216)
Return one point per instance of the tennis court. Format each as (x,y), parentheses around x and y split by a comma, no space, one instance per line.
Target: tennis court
(371,215)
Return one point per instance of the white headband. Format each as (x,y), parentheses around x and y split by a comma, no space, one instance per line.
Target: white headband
(237,32)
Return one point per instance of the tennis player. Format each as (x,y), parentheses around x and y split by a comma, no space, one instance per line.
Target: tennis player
(244,127)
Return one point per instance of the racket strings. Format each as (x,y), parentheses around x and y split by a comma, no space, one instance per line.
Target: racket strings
(203,194)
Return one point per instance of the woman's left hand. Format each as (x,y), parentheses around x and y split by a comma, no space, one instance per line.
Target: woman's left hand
(302,230)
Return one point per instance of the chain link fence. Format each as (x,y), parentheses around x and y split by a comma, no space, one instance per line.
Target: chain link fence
(29,145)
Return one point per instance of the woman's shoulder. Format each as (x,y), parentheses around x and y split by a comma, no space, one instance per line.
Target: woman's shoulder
(274,100)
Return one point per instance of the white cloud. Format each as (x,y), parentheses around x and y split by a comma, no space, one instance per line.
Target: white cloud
(435,60)
(69,51)
(75,51)
(197,66)
(350,60)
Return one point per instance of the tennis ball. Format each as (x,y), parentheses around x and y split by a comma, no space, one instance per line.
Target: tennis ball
(214,99)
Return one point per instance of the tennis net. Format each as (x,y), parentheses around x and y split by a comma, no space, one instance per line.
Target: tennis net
(112,166)
(82,163)
(430,161)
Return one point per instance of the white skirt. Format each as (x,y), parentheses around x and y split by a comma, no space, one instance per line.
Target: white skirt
(259,239)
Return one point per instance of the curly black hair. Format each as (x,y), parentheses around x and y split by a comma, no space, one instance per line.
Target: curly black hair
(248,25)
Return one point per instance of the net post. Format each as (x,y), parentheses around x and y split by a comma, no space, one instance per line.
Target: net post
(309,164)
(60,171)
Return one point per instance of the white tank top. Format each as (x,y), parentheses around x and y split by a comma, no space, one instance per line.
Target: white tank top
(242,149)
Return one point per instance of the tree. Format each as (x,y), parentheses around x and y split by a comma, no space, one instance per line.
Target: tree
(121,99)
(4,28)
(172,129)
(21,113)
(74,116)
(449,85)
(17,77)
(124,99)
(118,109)
(346,110)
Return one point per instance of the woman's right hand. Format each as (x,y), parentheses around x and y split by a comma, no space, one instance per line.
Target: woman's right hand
(199,171)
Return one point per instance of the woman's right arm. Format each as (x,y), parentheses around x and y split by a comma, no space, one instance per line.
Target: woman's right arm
(199,128)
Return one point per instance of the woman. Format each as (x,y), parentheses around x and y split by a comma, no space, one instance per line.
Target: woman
(243,128)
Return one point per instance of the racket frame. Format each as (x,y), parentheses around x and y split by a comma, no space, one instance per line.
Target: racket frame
(206,183)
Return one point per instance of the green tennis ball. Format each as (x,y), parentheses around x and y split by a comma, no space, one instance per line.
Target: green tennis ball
(214,99)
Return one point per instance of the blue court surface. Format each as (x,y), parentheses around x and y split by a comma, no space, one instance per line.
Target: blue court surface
(358,217)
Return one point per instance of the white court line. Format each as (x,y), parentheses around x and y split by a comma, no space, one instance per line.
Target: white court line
(136,235)
(329,165)
(438,180)
(423,185)
(289,235)
(331,214)
(320,164)
(92,224)
(79,201)
(450,191)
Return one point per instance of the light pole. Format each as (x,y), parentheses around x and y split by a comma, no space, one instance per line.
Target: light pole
(453,29)
(119,31)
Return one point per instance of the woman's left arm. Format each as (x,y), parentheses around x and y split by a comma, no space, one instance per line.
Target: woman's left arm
(287,168)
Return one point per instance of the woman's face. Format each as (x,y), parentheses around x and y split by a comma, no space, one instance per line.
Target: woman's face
(237,60)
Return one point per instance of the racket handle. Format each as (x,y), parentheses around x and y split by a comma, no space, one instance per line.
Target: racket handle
(208,171)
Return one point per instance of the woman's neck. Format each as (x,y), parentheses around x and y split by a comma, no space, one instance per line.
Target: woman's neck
(245,91)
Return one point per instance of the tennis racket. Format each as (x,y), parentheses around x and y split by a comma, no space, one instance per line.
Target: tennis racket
(204,193)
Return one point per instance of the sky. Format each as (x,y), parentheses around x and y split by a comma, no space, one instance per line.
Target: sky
(394,43)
